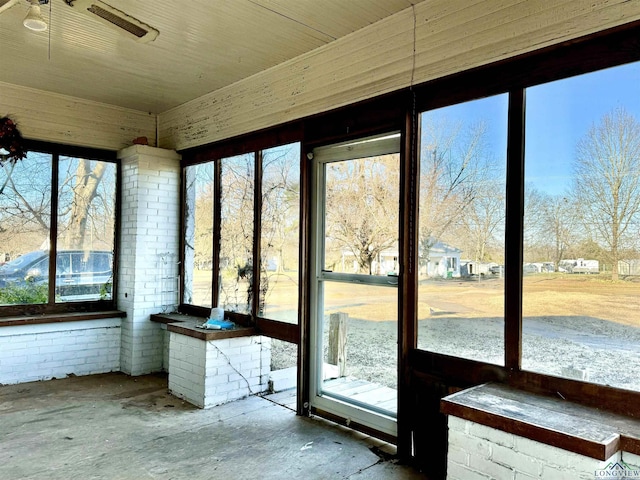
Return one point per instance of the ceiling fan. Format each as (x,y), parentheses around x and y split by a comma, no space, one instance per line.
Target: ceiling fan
(101,11)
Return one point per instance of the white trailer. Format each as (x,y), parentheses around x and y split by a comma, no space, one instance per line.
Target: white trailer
(581,265)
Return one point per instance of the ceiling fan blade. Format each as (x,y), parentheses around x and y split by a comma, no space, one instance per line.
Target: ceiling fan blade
(7,4)
(116,19)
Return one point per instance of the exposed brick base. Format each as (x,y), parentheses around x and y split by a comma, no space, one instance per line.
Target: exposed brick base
(30,353)
(210,373)
(477,452)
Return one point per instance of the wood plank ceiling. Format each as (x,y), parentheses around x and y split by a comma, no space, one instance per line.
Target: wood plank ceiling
(203,45)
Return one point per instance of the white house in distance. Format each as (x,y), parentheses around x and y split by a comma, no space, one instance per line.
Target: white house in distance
(385,263)
(443,261)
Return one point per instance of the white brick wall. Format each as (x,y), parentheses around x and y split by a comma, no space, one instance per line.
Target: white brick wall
(186,367)
(55,350)
(209,373)
(631,459)
(477,452)
(165,350)
(149,228)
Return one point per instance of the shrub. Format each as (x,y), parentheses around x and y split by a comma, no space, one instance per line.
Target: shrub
(13,294)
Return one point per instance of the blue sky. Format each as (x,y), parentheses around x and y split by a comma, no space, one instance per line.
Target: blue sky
(492,111)
(558,115)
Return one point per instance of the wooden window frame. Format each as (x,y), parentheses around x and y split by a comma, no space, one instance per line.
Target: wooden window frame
(51,307)
(608,49)
(246,144)
(423,374)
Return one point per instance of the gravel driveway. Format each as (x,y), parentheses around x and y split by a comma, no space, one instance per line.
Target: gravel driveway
(588,348)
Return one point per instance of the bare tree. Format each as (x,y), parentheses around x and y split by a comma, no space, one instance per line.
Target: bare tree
(551,226)
(279,218)
(280,205)
(559,226)
(279,223)
(533,236)
(606,183)
(236,242)
(362,207)
(85,203)
(484,220)
(199,212)
(25,204)
(83,182)
(453,165)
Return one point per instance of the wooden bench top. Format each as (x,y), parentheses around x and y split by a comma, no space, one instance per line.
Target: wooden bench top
(553,421)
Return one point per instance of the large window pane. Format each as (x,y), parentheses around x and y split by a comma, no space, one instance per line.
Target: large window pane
(25,216)
(280,233)
(461,230)
(359,344)
(86,229)
(198,248)
(581,288)
(361,232)
(236,233)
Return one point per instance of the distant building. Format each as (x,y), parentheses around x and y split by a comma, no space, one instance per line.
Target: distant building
(629,267)
(580,265)
(443,261)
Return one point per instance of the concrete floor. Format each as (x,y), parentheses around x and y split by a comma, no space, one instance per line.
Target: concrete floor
(118,427)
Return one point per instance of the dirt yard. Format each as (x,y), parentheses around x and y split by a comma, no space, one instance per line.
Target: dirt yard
(576,326)
(543,295)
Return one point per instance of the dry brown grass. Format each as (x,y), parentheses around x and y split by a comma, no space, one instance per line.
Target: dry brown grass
(543,295)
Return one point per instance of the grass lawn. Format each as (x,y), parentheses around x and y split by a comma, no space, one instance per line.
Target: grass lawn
(550,294)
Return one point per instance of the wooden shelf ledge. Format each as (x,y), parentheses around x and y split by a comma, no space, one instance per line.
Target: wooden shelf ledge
(188,325)
(553,421)
(59,317)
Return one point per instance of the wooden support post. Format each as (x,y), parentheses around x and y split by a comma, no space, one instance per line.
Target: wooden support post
(337,354)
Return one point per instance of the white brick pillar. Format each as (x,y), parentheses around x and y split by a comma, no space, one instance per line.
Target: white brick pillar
(148,251)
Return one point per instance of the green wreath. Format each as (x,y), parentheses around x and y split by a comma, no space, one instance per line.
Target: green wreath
(11,142)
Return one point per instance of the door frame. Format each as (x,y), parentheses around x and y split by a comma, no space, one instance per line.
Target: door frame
(350,414)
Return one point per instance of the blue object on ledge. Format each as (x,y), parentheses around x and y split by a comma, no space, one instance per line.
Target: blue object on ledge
(218,324)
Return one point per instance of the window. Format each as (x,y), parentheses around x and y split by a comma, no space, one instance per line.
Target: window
(565,257)
(221,256)
(76,240)
(280,218)
(236,233)
(461,228)
(581,294)
(199,234)
(502,223)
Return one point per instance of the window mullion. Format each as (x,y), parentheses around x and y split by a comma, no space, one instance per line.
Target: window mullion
(257,234)
(514,230)
(215,259)
(53,226)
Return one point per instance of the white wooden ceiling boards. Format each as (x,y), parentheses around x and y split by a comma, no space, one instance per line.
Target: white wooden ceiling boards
(203,45)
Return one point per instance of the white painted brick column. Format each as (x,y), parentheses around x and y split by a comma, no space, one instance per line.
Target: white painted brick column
(149,229)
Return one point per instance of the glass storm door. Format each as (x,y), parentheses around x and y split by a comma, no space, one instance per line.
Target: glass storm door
(355,270)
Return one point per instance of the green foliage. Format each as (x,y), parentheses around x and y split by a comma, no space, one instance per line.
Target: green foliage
(13,294)
(105,291)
